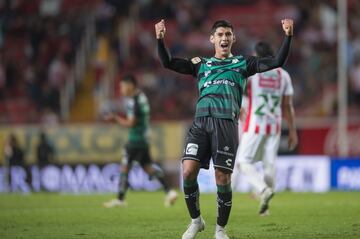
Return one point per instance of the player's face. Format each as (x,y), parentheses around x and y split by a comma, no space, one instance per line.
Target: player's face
(127,89)
(223,39)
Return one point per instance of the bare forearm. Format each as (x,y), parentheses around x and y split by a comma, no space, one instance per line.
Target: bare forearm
(289,115)
(125,122)
(290,118)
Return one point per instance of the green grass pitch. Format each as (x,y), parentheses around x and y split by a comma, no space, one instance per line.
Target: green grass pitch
(293,215)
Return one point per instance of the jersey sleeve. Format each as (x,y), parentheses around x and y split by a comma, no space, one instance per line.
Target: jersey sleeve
(180,65)
(288,89)
(260,64)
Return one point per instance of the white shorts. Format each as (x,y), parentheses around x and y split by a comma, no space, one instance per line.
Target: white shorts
(257,147)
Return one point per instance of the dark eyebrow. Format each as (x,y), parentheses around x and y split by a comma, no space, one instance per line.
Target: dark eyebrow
(227,32)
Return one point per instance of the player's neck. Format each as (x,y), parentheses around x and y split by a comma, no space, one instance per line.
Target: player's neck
(134,93)
(223,57)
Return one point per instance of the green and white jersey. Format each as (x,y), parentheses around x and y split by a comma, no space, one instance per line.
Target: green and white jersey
(138,107)
(221,84)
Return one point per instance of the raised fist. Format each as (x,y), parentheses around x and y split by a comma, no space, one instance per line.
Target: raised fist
(160,29)
(288,26)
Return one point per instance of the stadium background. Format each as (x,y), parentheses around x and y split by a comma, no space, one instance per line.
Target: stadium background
(61,60)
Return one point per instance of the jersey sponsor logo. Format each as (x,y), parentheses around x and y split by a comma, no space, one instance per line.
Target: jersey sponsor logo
(208,63)
(225,153)
(192,149)
(228,162)
(270,82)
(195,60)
(219,82)
(207,84)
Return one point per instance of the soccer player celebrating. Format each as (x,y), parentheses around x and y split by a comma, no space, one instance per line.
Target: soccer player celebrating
(213,134)
(137,148)
(270,94)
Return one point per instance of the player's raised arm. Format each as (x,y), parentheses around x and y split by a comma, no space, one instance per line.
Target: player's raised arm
(125,122)
(160,29)
(257,65)
(176,64)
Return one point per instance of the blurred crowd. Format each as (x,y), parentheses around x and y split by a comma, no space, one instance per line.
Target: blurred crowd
(312,63)
(38,40)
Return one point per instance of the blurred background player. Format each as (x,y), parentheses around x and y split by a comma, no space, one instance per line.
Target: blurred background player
(137,149)
(213,134)
(269,95)
(45,152)
(13,152)
(13,156)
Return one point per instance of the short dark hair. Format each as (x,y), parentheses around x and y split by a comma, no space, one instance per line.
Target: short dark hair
(221,23)
(263,49)
(129,78)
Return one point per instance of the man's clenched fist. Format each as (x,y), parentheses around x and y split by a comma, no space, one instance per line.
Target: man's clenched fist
(288,26)
(160,29)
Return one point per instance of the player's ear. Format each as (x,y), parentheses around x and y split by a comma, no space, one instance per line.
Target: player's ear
(234,38)
(212,38)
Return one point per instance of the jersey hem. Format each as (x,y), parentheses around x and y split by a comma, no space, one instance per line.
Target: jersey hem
(190,158)
(218,166)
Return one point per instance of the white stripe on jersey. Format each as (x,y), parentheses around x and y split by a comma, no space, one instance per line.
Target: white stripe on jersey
(265,92)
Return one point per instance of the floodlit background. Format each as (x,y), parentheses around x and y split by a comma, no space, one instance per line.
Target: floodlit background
(61,61)
(60,64)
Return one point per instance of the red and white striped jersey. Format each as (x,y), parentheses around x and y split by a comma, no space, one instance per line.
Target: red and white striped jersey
(265,91)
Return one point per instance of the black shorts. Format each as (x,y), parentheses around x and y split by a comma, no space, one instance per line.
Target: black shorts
(213,138)
(139,154)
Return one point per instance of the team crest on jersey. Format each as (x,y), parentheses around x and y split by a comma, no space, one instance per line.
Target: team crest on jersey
(235,61)
(196,60)
(228,162)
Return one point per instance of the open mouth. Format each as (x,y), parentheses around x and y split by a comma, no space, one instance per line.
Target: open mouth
(224,45)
